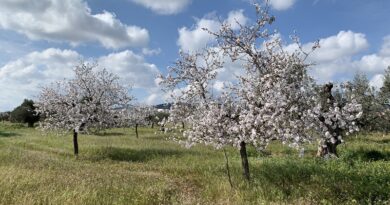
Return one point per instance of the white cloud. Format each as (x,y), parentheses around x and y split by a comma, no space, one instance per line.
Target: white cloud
(131,68)
(336,58)
(377,81)
(153,99)
(68,21)
(236,18)
(372,63)
(151,52)
(24,77)
(282,4)
(165,7)
(385,50)
(344,44)
(333,60)
(196,38)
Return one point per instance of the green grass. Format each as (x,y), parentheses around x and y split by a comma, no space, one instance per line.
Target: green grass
(117,168)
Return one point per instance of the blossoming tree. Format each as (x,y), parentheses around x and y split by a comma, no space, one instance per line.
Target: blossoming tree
(272,100)
(268,102)
(333,119)
(92,100)
(137,115)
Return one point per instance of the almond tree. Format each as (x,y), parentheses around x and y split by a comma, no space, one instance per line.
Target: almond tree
(332,119)
(211,119)
(139,115)
(274,93)
(92,100)
(272,100)
(277,91)
(269,101)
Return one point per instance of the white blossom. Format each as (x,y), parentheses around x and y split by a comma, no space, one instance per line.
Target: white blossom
(92,100)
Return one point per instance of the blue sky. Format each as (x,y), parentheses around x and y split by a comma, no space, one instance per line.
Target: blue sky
(42,40)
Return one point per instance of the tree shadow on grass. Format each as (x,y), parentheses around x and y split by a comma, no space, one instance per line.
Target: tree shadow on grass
(158,138)
(131,155)
(8,134)
(109,134)
(291,179)
(380,141)
(367,155)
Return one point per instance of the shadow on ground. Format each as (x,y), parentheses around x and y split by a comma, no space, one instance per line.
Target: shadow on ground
(159,138)
(292,178)
(367,155)
(380,141)
(8,134)
(110,134)
(131,155)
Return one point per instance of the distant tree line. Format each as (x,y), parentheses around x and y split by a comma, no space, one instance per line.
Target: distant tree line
(24,113)
(375,102)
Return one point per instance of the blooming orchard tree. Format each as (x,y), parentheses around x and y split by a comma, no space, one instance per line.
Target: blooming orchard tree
(333,119)
(269,102)
(139,115)
(274,93)
(272,100)
(190,83)
(92,100)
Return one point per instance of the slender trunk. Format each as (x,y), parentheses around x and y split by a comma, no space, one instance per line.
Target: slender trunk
(75,143)
(244,161)
(228,168)
(182,125)
(136,130)
(152,125)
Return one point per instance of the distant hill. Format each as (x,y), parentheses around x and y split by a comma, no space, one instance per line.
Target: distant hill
(164,106)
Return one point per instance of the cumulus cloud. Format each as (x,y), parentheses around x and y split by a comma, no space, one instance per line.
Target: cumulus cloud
(68,21)
(385,50)
(194,39)
(236,18)
(336,59)
(377,81)
(131,67)
(281,4)
(166,7)
(24,77)
(372,63)
(344,44)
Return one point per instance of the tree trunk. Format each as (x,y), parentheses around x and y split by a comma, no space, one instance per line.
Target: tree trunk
(244,161)
(152,125)
(328,149)
(182,125)
(75,143)
(136,130)
(228,168)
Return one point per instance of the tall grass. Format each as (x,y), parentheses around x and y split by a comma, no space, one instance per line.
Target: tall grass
(116,168)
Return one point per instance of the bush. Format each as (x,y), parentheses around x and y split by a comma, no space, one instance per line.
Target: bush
(25,113)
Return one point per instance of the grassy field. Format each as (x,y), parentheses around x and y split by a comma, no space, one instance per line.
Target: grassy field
(117,168)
